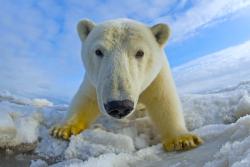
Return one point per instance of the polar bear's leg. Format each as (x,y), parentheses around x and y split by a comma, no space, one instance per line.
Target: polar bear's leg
(164,108)
(82,111)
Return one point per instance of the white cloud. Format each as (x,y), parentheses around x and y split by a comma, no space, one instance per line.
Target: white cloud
(184,22)
(223,68)
(203,13)
(36,57)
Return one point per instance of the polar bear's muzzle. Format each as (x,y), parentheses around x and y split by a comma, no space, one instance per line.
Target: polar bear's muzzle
(119,109)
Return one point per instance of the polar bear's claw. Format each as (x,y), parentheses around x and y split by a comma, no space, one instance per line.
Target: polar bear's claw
(182,143)
(64,131)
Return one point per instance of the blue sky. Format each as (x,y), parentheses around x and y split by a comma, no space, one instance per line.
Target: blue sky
(40,49)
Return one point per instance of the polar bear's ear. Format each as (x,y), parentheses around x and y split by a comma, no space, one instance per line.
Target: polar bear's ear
(161,33)
(84,27)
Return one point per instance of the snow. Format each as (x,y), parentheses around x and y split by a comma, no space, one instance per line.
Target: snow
(236,151)
(221,118)
(39,163)
(243,107)
(205,109)
(7,128)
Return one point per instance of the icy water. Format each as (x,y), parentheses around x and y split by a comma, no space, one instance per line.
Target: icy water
(192,158)
(15,159)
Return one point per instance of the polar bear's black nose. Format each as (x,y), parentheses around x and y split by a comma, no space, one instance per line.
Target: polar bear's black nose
(119,109)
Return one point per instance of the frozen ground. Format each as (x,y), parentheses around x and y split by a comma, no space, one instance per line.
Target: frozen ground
(220,118)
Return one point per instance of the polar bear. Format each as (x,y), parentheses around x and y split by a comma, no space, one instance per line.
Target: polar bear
(125,64)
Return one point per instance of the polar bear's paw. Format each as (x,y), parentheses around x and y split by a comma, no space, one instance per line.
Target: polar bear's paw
(64,130)
(182,143)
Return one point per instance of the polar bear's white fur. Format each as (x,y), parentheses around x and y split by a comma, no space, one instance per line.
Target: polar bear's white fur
(124,59)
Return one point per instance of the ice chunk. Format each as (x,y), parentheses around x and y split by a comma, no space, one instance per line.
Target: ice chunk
(50,146)
(38,163)
(22,128)
(8,129)
(235,154)
(129,131)
(96,142)
(27,130)
(243,107)
(236,151)
(139,158)
(67,163)
(142,141)
(201,110)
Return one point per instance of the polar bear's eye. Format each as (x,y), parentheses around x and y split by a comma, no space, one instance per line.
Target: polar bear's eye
(139,54)
(98,52)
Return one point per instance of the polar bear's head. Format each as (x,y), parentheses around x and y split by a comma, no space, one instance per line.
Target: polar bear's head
(121,57)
